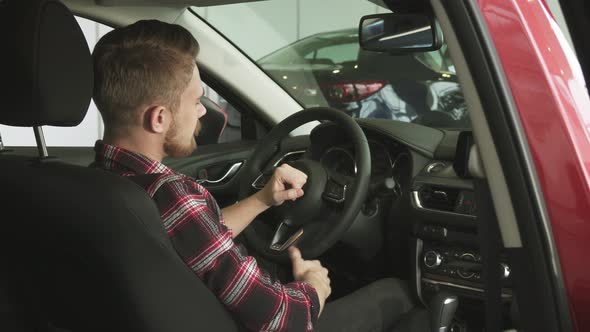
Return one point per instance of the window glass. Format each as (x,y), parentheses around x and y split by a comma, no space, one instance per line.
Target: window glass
(92,128)
(233,129)
(337,53)
(311,50)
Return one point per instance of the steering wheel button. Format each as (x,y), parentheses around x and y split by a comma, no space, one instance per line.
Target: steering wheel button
(334,191)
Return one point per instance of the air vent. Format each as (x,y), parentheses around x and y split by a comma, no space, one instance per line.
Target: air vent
(435,167)
(438,198)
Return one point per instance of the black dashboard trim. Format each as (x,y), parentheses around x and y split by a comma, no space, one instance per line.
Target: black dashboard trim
(424,140)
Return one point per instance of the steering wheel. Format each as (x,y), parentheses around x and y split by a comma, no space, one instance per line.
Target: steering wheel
(331,201)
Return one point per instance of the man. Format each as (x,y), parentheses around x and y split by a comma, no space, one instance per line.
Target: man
(148,90)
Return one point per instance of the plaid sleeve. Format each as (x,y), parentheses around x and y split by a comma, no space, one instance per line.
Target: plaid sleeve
(193,223)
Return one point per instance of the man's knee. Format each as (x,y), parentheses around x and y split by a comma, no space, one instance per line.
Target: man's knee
(390,287)
(393,298)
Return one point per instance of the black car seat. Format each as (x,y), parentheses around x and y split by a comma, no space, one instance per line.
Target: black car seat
(80,249)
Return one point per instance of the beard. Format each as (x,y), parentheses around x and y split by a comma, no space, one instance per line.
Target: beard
(177,147)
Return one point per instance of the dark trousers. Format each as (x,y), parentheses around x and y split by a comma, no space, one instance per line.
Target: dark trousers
(384,305)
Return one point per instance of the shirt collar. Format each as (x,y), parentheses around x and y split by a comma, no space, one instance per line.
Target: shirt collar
(117,159)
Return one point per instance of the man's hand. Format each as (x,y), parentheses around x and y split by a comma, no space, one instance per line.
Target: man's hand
(312,273)
(286,183)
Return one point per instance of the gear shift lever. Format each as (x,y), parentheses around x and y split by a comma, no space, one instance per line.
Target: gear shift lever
(442,310)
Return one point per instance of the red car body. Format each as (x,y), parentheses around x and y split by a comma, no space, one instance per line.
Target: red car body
(548,88)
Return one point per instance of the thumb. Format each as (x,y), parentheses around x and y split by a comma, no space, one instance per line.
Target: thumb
(295,255)
(289,194)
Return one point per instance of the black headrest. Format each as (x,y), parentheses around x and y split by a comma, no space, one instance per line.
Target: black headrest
(46,72)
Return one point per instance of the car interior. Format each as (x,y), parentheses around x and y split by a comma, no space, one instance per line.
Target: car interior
(86,250)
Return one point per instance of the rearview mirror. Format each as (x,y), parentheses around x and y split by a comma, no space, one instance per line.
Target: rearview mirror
(399,33)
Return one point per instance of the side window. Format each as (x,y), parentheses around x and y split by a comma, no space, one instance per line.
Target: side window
(438,60)
(87,132)
(92,128)
(233,129)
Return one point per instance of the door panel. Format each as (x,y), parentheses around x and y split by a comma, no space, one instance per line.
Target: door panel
(213,162)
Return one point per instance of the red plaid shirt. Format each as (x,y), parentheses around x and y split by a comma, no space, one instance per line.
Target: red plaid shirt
(193,221)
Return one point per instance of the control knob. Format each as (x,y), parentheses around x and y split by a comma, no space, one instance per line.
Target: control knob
(432,259)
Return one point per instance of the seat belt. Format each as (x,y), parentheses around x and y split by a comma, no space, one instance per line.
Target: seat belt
(489,240)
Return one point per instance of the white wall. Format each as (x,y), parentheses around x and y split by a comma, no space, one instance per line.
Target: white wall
(240,21)
(245,23)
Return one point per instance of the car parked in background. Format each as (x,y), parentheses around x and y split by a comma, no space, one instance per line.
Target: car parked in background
(330,69)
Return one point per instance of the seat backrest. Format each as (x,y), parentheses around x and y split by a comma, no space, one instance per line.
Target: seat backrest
(83,249)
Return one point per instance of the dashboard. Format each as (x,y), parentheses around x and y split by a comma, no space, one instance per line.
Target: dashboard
(391,162)
(420,190)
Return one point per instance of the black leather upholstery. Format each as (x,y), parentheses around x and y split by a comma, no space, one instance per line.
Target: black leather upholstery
(46,70)
(88,253)
(84,249)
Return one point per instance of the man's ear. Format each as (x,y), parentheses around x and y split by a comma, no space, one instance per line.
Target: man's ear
(157,119)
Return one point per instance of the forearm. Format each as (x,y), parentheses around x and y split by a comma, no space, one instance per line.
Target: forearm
(255,299)
(238,216)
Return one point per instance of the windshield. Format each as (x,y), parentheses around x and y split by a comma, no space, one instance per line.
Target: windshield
(311,50)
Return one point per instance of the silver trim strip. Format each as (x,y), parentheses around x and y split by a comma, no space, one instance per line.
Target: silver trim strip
(288,154)
(447,301)
(343,150)
(275,165)
(418,205)
(254,183)
(450,284)
(40,138)
(230,172)
(288,243)
(431,166)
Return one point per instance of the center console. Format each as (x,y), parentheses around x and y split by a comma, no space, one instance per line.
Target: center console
(447,253)
(448,256)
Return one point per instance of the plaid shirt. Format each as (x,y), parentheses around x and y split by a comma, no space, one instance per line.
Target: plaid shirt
(193,221)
